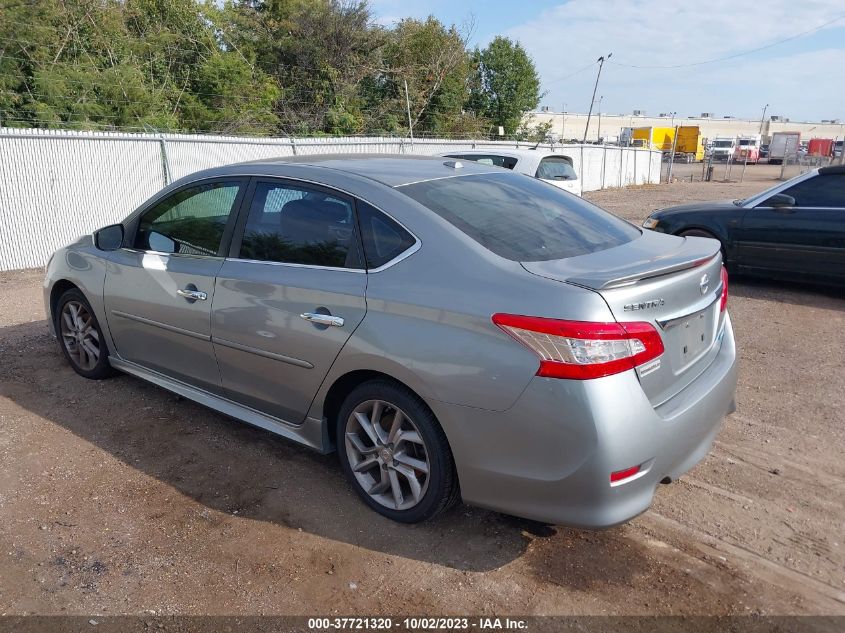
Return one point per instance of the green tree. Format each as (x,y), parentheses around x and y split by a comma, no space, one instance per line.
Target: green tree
(506,85)
(133,64)
(432,59)
(317,51)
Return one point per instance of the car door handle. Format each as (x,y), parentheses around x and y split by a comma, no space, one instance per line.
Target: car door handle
(195,295)
(322,319)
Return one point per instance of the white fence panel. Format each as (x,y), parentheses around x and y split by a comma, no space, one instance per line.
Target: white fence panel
(189,154)
(52,190)
(58,185)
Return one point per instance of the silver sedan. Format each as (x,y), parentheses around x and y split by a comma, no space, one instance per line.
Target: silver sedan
(451,329)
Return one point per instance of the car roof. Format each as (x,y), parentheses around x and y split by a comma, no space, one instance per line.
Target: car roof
(833,169)
(392,170)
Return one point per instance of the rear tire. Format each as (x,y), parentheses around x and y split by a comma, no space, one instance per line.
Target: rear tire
(394,452)
(80,336)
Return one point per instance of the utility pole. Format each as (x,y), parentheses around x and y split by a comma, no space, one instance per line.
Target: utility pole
(408,105)
(600,60)
(563,125)
(599,132)
(762,117)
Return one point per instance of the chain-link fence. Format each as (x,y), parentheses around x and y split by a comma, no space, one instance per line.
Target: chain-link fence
(795,164)
(57,185)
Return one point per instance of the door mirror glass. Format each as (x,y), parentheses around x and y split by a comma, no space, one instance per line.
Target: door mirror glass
(161,243)
(780,200)
(109,238)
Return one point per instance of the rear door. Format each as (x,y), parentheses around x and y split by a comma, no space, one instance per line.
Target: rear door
(288,297)
(159,289)
(807,238)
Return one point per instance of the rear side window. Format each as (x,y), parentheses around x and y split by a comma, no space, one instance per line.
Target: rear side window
(508,162)
(383,238)
(521,218)
(297,225)
(556,168)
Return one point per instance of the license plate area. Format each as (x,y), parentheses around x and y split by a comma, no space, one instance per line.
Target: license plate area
(691,337)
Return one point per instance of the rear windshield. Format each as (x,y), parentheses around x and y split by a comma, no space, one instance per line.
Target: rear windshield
(508,162)
(521,218)
(556,168)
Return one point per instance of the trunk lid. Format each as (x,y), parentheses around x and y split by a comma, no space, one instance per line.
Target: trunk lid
(672,283)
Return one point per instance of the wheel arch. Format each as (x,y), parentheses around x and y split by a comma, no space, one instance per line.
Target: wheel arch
(715,231)
(342,386)
(60,287)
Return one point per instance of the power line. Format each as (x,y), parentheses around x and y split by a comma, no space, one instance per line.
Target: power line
(735,55)
(580,70)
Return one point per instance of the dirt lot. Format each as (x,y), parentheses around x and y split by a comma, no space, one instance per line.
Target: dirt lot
(118,497)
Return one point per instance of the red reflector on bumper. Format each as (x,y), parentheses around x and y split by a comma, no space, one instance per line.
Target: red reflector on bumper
(619,475)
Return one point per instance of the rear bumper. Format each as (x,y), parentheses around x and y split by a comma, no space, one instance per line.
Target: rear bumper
(550,456)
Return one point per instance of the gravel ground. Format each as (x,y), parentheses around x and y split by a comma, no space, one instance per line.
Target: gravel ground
(118,497)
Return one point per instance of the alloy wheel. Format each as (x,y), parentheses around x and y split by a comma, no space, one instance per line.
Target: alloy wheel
(387,454)
(79,335)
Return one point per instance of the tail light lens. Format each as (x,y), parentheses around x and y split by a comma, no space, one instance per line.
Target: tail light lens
(724,303)
(580,350)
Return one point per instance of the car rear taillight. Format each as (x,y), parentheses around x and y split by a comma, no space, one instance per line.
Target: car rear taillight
(724,302)
(580,350)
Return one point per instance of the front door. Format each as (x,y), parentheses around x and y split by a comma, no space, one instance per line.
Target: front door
(289,296)
(807,238)
(160,287)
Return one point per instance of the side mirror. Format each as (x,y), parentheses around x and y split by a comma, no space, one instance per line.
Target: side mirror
(780,200)
(109,238)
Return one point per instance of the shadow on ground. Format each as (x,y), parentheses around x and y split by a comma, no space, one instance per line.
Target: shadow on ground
(234,468)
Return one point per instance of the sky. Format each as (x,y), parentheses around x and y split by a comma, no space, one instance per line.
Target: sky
(802,78)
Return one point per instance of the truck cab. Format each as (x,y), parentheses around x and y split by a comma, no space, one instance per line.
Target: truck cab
(722,148)
(747,149)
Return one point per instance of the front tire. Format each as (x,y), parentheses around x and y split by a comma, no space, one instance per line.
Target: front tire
(394,452)
(80,336)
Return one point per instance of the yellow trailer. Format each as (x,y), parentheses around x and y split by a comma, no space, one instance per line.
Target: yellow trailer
(659,138)
(689,144)
(688,148)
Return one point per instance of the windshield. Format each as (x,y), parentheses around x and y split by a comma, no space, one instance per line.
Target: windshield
(746,141)
(722,143)
(521,218)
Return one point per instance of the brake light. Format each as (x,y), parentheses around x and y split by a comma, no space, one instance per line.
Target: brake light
(724,300)
(580,350)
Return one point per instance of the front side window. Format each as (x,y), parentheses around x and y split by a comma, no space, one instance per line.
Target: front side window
(297,225)
(824,190)
(189,222)
(556,168)
(521,219)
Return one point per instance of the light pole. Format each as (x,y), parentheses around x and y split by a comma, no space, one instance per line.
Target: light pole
(600,60)
(763,116)
(563,125)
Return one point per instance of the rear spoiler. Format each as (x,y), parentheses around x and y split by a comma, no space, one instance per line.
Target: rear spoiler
(691,253)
